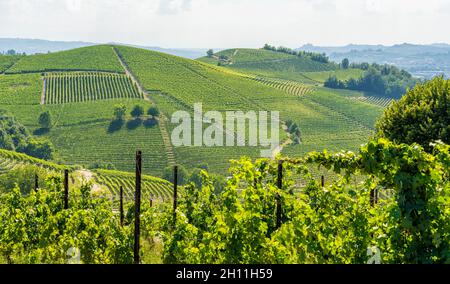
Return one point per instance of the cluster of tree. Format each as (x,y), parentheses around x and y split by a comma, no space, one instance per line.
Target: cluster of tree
(137,113)
(422,116)
(294,130)
(15,137)
(195,177)
(319,57)
(12,52)
(383,80)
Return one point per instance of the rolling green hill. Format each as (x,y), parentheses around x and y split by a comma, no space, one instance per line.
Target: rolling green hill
(280,65)
(6,61)
(80,91)
(110,181)
(96,58)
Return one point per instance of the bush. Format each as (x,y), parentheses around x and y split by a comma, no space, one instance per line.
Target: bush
(45,120)
(41,148)
(153,112)
(183,175)
(137,111)
(421,116)
(119,112)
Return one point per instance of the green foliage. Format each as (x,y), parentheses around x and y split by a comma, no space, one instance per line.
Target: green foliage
(36,228)
(421,116)
(41,148)
(345,63)
(137,111)
(153,111)
(319,57)
(22,177)
(336,224)
(45,120)
(14,136)
(383,80)
(120,111)
(210,53)
(183,175)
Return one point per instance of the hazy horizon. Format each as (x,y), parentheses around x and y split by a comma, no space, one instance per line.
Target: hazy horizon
(207,47)
(226,24)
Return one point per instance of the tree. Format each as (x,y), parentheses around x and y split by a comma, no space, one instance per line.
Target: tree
(345,63)
(45,120)
(421,116)
(119,111)
(137,111)
(183,175)
(11,52)
(40,148)
(6,141)
(153,112)
(333,82)
(210,53)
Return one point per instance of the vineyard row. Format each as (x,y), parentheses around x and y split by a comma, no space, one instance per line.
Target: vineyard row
(63,88)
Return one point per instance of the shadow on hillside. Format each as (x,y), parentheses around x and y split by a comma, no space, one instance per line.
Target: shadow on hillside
(150,123)
(115,125)
(133,124)
(41,131)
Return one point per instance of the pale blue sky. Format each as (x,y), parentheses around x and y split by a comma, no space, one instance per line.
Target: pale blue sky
(228,23)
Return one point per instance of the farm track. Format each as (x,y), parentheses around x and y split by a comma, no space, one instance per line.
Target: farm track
(44,87)
(162,119)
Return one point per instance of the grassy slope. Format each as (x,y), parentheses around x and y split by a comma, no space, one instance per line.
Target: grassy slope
(110,180)
(6,61)
(80,130)
(98,58)
(280,65)
(327,119)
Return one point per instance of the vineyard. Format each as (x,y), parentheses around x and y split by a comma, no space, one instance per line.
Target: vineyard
(63,88)
(379,101)
(290,87)
(6,61)
(82,105)
(152,188)
(96,58)
(337,222)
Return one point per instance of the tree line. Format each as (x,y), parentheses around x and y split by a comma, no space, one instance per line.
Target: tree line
(16,137)
(383,80)
(319,57)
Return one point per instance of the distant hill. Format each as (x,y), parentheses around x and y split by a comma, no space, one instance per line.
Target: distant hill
(423,61)
(267,63)
(34,46)
(190,53)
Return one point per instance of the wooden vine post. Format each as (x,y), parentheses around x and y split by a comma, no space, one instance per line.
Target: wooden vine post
(36,182)
(280,186)
(66,189)
(137,208)
(121,206)
(175,194)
